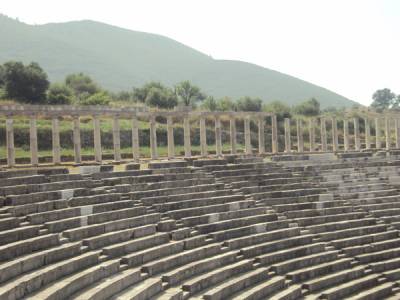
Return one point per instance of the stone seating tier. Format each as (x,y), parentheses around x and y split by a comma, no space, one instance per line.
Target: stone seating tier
(240,228)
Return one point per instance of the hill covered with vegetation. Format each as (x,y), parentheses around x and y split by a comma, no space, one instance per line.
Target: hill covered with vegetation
(119,59)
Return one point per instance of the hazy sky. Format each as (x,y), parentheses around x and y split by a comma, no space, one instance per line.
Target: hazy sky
(349,46)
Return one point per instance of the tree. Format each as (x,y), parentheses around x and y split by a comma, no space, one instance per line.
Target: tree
(82,85)
(123,96)
(280,109)
(226,104)
(188,94)
(26,84)
(210,104)
(249,104)
(396,102)
(99,98)
(309,107)
(155,94)
(2,76)
(59,94)
(383,99)
(161,98)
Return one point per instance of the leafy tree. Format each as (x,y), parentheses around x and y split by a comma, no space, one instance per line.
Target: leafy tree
(99,98)
(161,98)
(123,96)
(396,102)
(82,85)
(279,108)
(309,107)
(210,104)
(155,94)
(59,94)
(226,104)
(249,104)
(383,99)
(25,83)
(2,76)
(188,94)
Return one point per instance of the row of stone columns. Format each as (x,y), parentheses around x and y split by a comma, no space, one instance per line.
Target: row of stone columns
(203,139)
(135,138)
(346,135)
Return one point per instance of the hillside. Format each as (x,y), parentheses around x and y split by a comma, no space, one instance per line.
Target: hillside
(120,59)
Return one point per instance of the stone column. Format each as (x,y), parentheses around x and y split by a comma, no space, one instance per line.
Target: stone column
(300,141)
(378,143)
(10,142)
(367,134)
(274,134)
(170,137)
(218,139)
(324,142)
(261,135)
(116,139)
(397,122)
(387,133)
(288,145)
(346,134)
(203,137)
(233,134)
(97,139)
(77,140)
(311,135)
(247,136)
(33,142)
(135,139)
(55,132)
(153,138)
(357,142)
(186,136)
(335,138)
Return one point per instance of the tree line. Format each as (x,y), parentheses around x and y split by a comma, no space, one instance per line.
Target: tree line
(30,84)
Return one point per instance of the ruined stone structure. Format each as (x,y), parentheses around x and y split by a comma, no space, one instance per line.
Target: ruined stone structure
(316,226)
(240,226)
(292,142)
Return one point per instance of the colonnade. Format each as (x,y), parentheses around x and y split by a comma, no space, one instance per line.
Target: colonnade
(291,142)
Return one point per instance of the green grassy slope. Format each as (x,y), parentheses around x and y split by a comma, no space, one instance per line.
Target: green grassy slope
(119,59)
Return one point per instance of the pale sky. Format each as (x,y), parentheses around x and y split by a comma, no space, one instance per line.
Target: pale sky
(351,47)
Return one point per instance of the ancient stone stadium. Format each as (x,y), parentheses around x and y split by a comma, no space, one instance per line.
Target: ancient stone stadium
(316,223)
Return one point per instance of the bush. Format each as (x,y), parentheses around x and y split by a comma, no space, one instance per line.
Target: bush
(82,85)
(249,104)
(210,104)
(226,104)
(310,107)
(155,94)
(100,98)
(59,94)
(280,109)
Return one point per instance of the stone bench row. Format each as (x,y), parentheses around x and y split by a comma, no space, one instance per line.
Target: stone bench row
(183,204)
(44,187)
(34,171)
(111,226)
(153,200)
(150,178)
(209,185)
(212,217)
(46,206)
(70,212)
(198,211)
(95,218)
(22,199)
